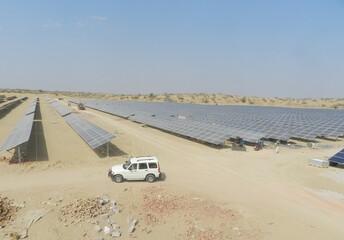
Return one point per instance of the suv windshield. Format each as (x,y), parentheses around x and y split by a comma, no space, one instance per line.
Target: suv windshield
(126,164)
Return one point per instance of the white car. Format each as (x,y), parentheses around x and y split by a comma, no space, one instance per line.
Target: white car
(136,168)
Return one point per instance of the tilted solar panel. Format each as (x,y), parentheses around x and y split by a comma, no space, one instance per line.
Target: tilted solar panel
(338,157)
(93,135)
(32,108)
(63,111)
(20,134)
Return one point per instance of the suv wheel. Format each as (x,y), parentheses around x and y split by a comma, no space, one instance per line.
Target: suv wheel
(117,178)
(150,178)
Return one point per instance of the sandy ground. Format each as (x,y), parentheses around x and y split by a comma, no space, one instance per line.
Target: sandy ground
(208,193)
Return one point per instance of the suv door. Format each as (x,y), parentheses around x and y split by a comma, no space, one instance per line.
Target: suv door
(131,172)
(142,171)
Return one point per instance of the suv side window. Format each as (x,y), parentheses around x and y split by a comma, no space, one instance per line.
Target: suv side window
(142,165)
(133,166)
(152,165)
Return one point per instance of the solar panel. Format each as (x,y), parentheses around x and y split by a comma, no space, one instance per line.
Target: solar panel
(20,134)
(93,135)
(49,100)
(338,157)
(32,108)
(63,111)
(249,122)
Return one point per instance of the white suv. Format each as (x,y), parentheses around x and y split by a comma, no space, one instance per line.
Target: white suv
(136,168)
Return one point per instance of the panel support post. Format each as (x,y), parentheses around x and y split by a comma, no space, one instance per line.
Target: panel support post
(107,149)
(19,154)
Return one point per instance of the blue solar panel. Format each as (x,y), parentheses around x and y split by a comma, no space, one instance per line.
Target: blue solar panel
(93,135)
(32,108)
(249,122)
(338,157)
(20,134)
(63,111)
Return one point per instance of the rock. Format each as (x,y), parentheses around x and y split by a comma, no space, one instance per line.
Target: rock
(131,229)
(106,230)
(132,226)
(98,228)
(114,209)
(104,199)
(116,234)
(104,216)
(98,238)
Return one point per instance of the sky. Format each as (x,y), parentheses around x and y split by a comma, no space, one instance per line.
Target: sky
(267,48)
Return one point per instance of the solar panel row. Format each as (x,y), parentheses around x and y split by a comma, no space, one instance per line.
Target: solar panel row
(338,157)
(63,111)
(93,135)
(21,133)
(215,124)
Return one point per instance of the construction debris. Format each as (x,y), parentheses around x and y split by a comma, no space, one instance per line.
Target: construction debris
(97,207)
(89,208)
(6,210)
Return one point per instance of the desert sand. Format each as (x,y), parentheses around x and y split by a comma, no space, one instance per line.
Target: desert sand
(208,193)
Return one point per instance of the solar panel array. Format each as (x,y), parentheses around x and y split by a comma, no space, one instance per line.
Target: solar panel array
(338,157)
(216,124)
(63,111)
(93,135)
(21,133)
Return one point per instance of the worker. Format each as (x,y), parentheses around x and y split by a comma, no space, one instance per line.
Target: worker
(277,146)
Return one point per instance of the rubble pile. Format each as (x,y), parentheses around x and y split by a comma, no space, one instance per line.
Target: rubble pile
(195,232)
(99,211)
(7,210)
(85,208)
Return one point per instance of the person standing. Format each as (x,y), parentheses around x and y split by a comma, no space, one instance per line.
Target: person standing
(277,146)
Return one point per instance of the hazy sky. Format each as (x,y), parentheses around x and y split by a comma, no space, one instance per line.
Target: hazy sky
(252,48)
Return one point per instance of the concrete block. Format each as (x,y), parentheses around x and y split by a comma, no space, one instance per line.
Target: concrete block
(318,163)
